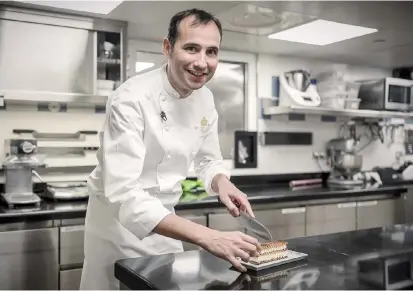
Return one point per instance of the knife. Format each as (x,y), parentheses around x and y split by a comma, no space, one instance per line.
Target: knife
(257,229)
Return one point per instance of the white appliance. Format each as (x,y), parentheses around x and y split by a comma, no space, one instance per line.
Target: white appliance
(299,89)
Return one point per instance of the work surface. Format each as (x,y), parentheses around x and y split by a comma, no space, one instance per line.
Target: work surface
(332,263)
(256,195)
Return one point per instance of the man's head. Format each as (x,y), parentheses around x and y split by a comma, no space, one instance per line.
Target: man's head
(192,47)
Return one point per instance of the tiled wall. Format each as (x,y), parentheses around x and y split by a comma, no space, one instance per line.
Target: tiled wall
(272,159)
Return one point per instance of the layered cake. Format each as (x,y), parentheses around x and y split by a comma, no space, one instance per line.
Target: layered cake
(270,252)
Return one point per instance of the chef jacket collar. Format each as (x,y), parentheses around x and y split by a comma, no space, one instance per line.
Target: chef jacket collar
(167,85)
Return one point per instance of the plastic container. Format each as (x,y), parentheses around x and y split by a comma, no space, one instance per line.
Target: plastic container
(334,102)
(351,103)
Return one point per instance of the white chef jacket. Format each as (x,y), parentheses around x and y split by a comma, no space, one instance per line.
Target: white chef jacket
(142,161)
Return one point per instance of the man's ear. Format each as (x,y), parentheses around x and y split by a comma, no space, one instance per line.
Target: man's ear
(167,48)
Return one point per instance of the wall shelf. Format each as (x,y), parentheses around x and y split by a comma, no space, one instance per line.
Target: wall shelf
(37,97)
(359,113)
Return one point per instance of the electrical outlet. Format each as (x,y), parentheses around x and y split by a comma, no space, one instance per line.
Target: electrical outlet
(319,155)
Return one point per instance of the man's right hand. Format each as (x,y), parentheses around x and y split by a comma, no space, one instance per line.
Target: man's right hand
(230,246)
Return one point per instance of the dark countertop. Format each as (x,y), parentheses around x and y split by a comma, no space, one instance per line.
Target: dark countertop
(286,194)
(332,264)
(77,209)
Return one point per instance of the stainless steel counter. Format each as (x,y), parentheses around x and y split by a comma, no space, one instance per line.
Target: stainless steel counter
(49,239)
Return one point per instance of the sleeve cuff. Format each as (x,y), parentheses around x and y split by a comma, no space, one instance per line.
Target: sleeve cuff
(147,215)
(211,175)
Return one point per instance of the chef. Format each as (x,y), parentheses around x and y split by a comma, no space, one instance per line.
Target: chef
(156,125)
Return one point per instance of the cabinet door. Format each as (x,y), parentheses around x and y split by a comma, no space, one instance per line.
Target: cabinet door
(283,223)
(224,222)
(378,213)
(201,219)
(72,244)
(330,218)
(29,259)
(70,279)
(43,59)
(408,206)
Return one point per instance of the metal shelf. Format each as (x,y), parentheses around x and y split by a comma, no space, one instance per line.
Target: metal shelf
(35,96)
(361,113)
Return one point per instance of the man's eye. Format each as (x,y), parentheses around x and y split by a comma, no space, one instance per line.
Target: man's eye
(191,49)
(212,52)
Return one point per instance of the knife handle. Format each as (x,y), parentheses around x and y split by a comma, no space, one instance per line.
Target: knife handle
(235,203)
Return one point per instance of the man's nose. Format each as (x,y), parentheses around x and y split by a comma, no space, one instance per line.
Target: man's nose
(200,62)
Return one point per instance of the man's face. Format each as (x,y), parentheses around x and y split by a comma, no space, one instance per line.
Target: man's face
(194,58)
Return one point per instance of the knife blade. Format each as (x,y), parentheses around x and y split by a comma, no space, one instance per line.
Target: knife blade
(256,229)
(253,226)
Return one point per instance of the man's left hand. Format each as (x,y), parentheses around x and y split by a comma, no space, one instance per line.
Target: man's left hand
(232,197)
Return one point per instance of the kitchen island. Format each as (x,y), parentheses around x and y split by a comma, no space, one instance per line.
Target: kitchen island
(340,261)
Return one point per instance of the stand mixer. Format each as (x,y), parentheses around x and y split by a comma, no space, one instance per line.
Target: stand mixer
(301,91)
(344,161)
(18,172)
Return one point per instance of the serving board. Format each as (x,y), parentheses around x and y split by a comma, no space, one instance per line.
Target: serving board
(292,257)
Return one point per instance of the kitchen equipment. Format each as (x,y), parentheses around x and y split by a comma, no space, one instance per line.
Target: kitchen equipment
(391,272)
(293,256)
(297,84)
(255,228)
(386,94)
(18,168)
(342,156)
(66,191)
(78,136)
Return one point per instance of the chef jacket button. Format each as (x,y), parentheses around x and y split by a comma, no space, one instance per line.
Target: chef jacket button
(168,157)
(167,128)
(164,99)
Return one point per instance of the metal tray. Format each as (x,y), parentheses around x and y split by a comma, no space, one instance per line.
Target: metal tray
(292,257)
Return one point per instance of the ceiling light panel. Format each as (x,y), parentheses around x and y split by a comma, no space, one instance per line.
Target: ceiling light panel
(322,32)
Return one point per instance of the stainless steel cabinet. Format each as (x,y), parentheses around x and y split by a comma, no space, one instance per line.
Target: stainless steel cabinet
(330,218)
(224,222)
(71,256)
(283,223)
(200,219)
(29,259)
(70,279)
(407,202)
(72,244)
(378,213)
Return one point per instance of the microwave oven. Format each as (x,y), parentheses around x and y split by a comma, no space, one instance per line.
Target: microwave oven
(392,94)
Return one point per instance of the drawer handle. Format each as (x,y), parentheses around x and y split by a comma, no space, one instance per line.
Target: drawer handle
(293,210)
(347,205)
(72,228)
(367,203)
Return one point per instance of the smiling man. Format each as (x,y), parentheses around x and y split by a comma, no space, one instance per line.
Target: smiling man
(156,125)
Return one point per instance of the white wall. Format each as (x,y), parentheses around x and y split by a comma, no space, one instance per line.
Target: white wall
(261,68)
(288,159)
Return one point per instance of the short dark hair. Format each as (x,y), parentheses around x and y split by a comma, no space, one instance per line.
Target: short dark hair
(201,17)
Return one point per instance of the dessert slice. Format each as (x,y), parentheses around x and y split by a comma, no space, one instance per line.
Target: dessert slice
(271,251)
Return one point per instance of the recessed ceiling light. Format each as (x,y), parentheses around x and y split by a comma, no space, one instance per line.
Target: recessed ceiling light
(322,32)
(100,7)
